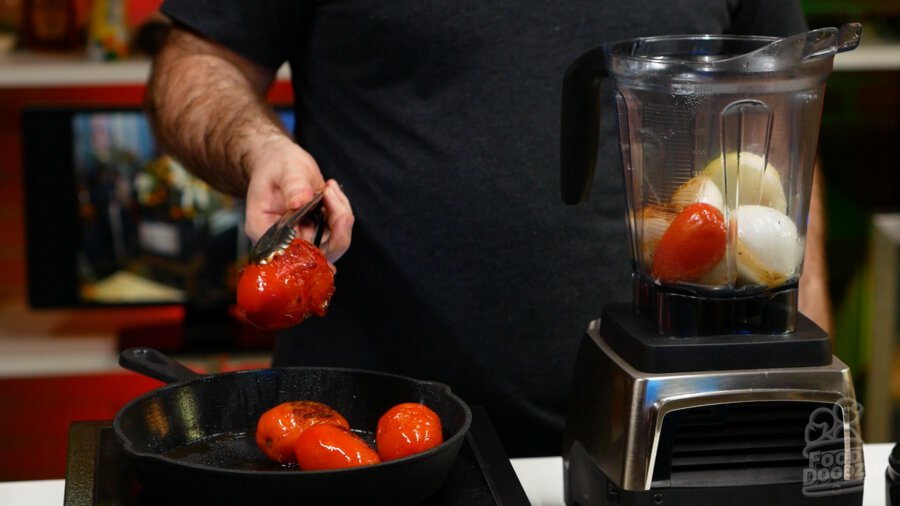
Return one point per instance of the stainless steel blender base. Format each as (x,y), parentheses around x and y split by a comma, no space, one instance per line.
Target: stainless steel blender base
(744,436)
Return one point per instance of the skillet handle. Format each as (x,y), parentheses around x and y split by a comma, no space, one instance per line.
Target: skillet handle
(152,363)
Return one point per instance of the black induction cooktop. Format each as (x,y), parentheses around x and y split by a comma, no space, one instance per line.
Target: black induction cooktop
(98,471)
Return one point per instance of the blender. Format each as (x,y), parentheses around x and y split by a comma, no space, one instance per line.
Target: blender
(709,385)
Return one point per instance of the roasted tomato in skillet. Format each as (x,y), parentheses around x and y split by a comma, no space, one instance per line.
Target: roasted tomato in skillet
(278,428)
(407,429)
(291,286)
(332,447)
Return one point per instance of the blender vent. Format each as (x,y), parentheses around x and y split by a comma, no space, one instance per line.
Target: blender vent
(734,444)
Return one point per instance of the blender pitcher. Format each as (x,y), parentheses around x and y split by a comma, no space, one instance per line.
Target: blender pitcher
(718,141)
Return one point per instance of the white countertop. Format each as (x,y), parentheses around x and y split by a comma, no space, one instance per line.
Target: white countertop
(541,478)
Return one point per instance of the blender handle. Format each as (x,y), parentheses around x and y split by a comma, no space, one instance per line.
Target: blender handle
(580,126)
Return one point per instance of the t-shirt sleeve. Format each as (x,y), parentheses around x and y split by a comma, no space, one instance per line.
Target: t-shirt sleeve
(778,18)
(264,31)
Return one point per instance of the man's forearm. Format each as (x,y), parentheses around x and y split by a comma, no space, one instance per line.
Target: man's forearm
(208,110)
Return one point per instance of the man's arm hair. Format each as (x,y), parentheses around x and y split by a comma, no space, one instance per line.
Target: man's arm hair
(207,107)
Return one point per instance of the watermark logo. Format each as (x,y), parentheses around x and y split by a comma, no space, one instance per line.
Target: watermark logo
(834,450)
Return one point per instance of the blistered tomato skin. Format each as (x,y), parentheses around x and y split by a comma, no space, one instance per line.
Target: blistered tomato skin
(407,429)
(332,447)
(693,244)
(290,287)
(278,428)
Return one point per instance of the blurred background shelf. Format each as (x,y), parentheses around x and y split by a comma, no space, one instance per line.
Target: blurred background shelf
(30,70)
(869,56)
(38,70)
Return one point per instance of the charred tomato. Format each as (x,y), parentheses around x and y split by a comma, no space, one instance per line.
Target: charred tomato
(693,244)
(407,429)
(291,286)
(332,447)
(278,428)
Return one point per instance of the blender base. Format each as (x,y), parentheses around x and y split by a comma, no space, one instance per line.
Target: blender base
(588,485)
(634,338)
(767,429)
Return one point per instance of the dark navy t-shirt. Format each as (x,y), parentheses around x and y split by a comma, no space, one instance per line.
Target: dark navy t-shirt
(441,121)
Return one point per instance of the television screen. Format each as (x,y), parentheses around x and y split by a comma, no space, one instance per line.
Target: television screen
(111,220)
(151,232)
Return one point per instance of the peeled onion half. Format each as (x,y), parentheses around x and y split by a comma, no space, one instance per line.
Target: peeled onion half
(698,189)
(754,183)
(718,276)
(768,249)
(651,224)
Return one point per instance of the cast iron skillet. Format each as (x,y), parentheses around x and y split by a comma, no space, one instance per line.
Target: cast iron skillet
(193,440)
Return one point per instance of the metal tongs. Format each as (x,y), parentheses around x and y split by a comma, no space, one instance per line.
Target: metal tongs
(280,235)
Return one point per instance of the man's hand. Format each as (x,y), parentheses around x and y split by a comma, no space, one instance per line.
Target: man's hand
(285,180)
